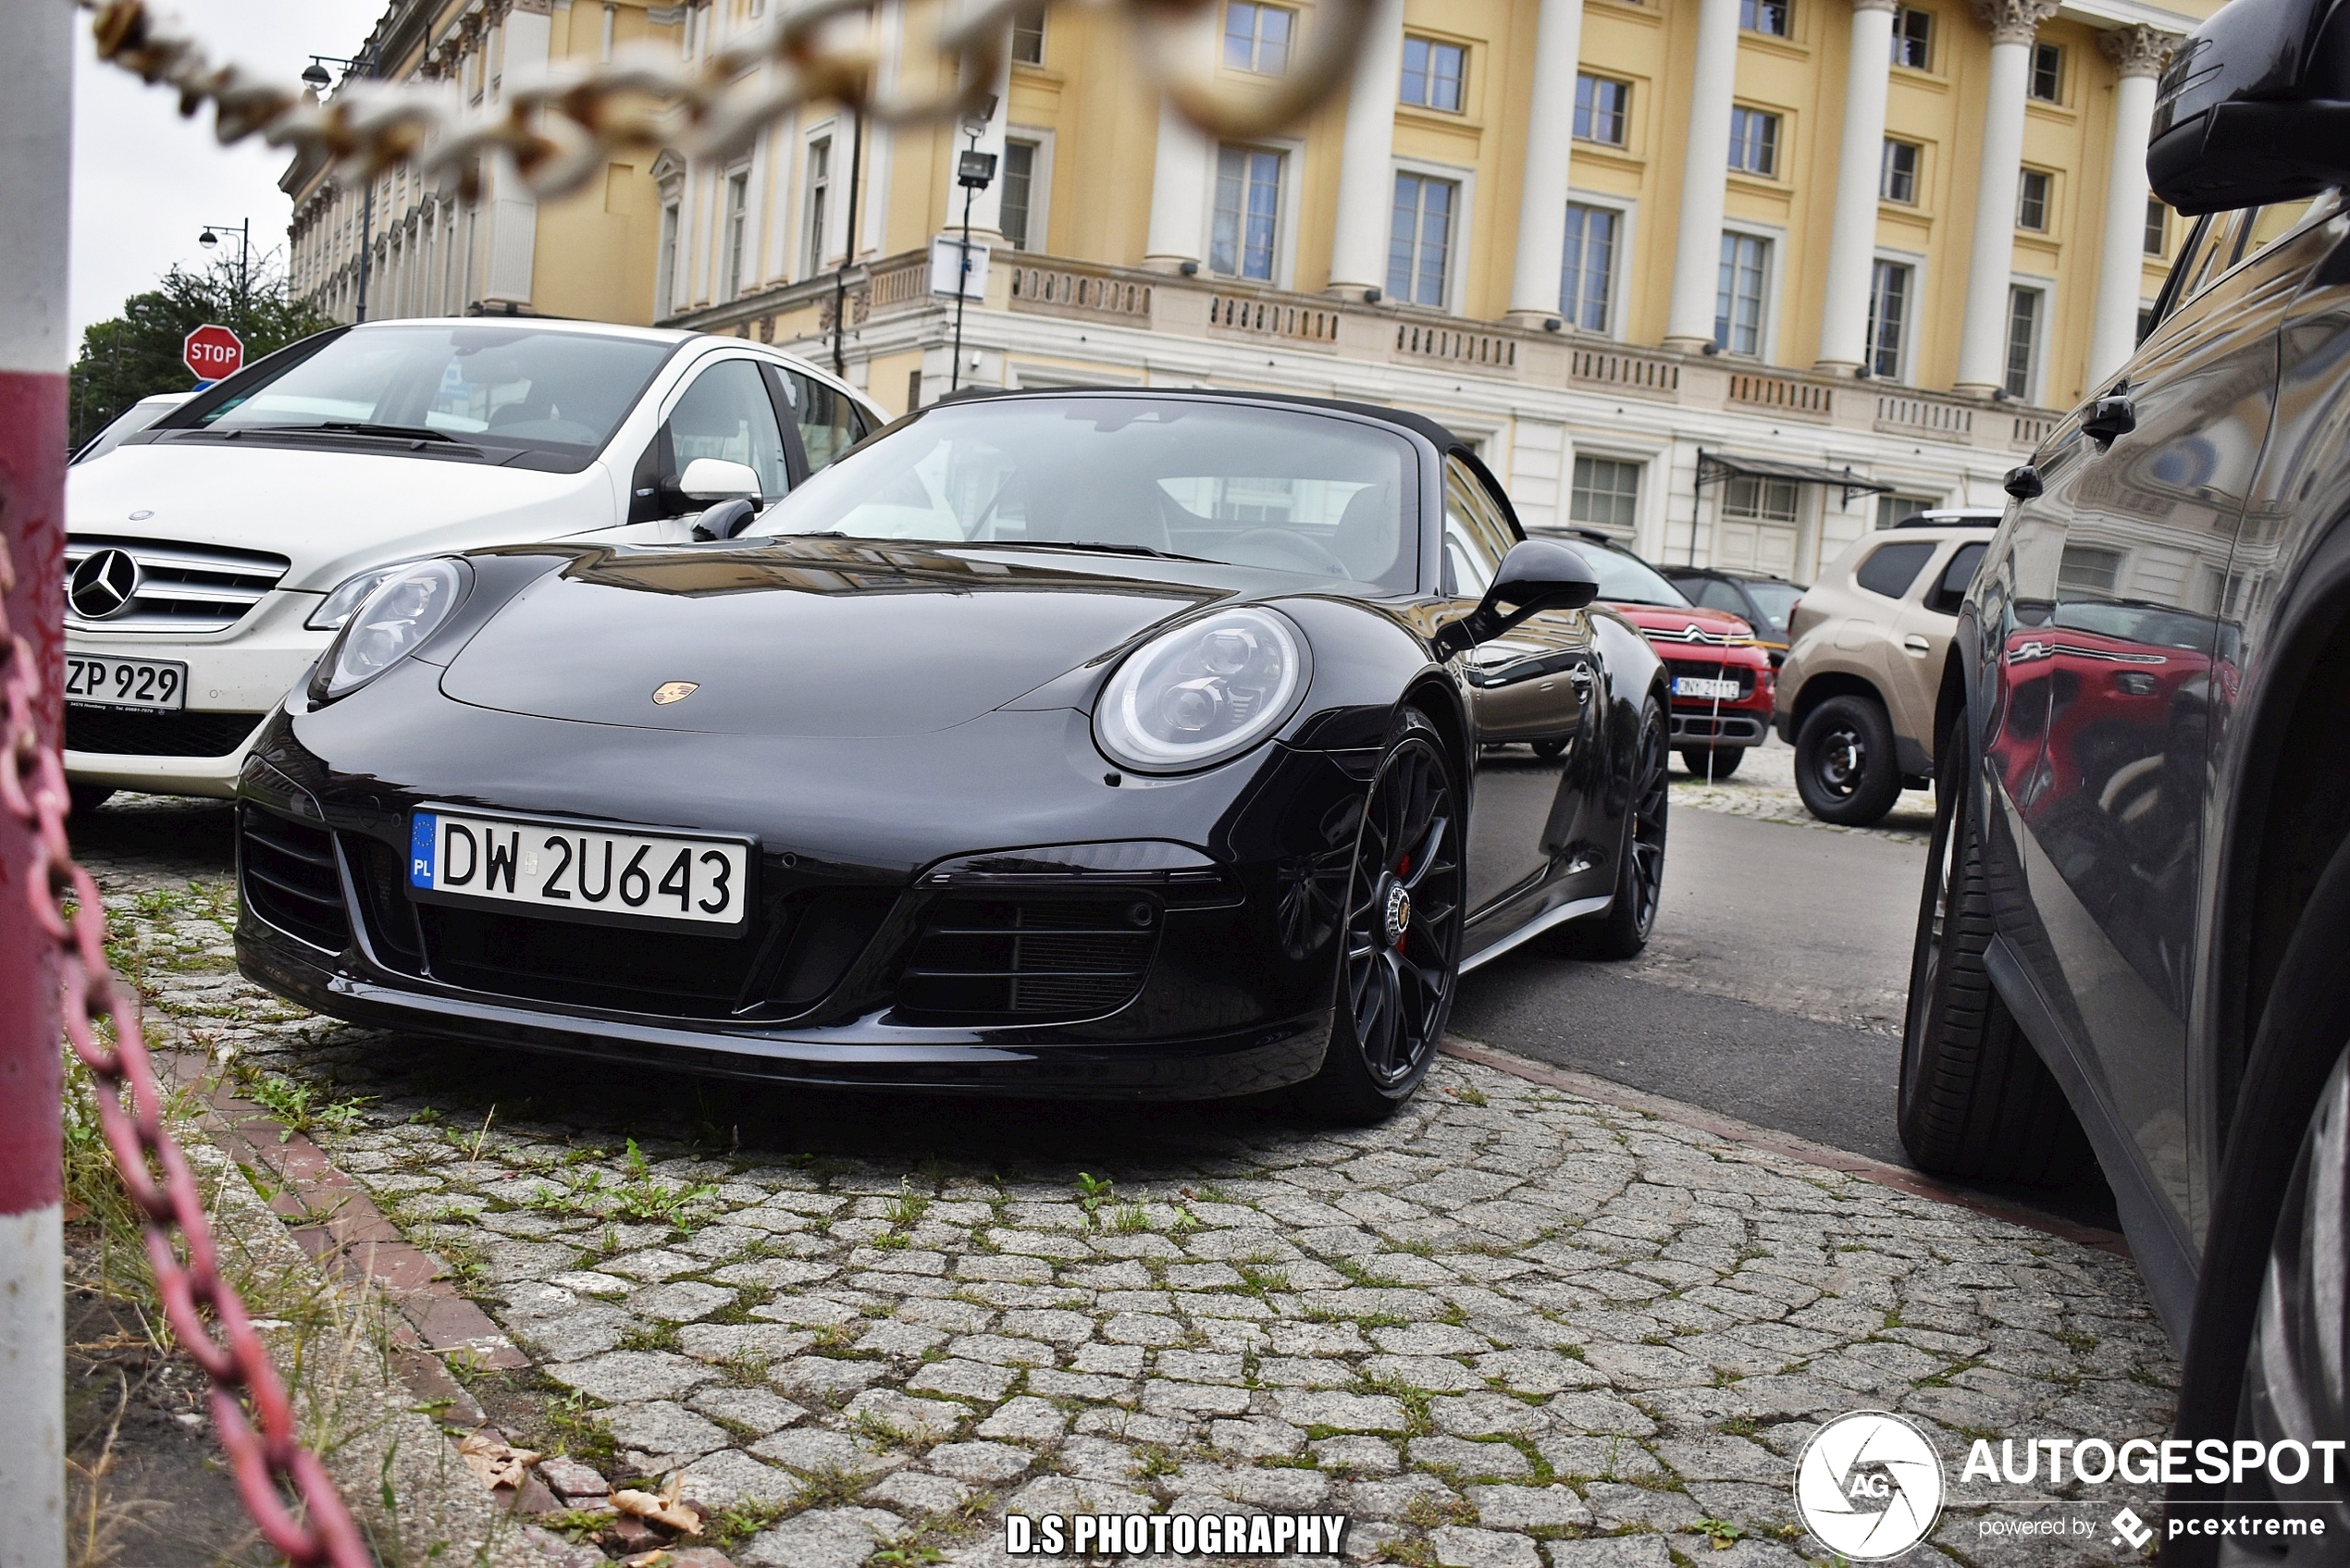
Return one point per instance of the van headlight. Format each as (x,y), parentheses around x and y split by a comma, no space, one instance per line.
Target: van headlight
(389,623)
(1205,691)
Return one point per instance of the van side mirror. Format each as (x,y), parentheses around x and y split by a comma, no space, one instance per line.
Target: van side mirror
(715,478)
(2253,107)
(1537,574)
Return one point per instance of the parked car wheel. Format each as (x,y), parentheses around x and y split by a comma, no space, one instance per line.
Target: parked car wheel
(1400,956)
(1640,874)
(1975,1098)
(88,798)
(1547,749)
(1707,762)
(1844,764)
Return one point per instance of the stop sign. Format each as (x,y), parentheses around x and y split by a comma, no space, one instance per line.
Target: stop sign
(212,353)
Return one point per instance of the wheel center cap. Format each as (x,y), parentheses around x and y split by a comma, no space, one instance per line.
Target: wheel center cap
(1398,913)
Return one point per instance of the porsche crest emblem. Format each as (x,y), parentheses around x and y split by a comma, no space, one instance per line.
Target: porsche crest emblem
(674,691)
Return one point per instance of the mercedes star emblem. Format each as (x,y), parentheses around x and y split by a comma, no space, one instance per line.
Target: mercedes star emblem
(103,585)
(674,691)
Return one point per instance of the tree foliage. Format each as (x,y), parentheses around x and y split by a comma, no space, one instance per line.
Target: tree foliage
(137,353)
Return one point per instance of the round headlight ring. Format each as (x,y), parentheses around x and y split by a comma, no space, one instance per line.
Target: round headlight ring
(391,623)
(1203,692)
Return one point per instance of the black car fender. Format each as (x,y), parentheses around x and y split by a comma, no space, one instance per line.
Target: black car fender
(1366,666)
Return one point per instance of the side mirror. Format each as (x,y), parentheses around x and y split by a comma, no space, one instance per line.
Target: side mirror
(713,478)
(725,520)
(1537,574)
(2023,483)
(2251,110)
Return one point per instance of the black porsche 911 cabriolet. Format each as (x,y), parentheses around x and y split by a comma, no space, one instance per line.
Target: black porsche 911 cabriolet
(1173,745)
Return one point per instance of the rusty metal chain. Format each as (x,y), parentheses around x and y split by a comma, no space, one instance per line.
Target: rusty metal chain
(263,1453)
(560,123)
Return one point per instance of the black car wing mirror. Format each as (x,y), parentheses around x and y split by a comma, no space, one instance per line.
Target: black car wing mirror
(1537,574)
(2252,107)
(725,520)
(2023,483)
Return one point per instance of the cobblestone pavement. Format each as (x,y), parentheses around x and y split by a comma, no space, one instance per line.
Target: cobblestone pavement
(1764,786)
(1511,1329)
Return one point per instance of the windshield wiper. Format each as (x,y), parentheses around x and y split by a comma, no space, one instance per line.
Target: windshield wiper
(390,432)
(1104,547)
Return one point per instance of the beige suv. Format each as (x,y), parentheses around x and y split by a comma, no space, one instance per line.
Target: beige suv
(1866,647)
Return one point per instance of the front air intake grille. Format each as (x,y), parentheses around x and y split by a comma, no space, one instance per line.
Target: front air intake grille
(116,733)
(178,587)
(596,966)
(289,876)
(982,959)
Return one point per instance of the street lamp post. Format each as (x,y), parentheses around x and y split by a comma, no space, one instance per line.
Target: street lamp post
(316,77)
(974,172)
(243,231)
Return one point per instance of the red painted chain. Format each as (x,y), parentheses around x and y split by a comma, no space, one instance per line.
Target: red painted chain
(265,1457)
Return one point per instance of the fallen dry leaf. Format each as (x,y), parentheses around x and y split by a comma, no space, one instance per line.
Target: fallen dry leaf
(660,1557)
(659,1510)
(496,1463)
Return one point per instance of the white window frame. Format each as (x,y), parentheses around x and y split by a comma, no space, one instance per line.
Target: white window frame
(1916,264)
(811,250)
(2036,382)
(1463,217)
(1644,462)
(1293,154)
(737,257)
(1775,262)
(1626,209)
(1040,184)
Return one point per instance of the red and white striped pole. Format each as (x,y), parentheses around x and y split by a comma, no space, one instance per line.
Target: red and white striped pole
(36,140)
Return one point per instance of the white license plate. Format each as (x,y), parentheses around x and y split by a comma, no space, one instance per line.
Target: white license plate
(100,680)
(1694,686)
(595,874)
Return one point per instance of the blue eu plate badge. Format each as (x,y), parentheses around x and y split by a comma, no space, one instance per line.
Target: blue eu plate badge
(422,833)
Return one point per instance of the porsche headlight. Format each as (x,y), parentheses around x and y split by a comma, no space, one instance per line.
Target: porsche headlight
(391,623)
(353,591)
(1205,691)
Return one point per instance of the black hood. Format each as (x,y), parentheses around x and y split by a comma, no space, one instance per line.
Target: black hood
(807,637)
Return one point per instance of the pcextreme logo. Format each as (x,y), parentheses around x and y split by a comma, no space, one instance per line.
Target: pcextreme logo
(1869,1485)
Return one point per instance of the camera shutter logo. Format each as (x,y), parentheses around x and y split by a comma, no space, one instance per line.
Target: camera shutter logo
(1869,1485)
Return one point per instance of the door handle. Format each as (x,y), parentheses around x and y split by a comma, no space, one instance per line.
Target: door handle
(1917,645)
(1581,675)
(2110,417)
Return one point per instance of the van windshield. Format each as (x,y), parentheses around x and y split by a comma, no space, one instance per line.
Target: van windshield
(515,387)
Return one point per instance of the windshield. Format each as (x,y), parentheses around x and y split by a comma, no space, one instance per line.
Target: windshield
(141,414)
(497,385)
(1777,601)
(1627,579)
(1251,486)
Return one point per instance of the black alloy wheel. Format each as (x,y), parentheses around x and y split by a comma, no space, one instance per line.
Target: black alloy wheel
(1400,936)
(1844,762)
(1639,877)
(1710,762)
(1975,1098)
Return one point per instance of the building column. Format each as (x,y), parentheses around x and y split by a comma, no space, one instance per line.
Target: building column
(2139,51)
(1705,173)
(1844,316)
(1990,263)
(1550,139)
(1366,168)
(1183,164)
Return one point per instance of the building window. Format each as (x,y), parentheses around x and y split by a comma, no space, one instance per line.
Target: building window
(1419,244)
(1588,283)
(665,286)
(2023,340)
(1754,141)
(2088,568)
(1758,529)
(1897,175)
(1889,317)
(2047,72)
(820,190)
(1892,509)
(1764,16)
(1434,74)
(1256,37)
(1603,109)
(1607,494)
(2157,239)
(2032,201)
(1028,39)
(1737,302)
(1020,177)
(738,228)
(1913,38)
(1761,500)
(1248,213)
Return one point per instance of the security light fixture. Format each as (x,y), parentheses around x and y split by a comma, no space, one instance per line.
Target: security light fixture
(975,170)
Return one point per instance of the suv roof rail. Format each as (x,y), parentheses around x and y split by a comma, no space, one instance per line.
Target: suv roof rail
(1971,518)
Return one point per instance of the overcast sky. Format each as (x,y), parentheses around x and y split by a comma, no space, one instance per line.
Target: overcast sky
(145,181)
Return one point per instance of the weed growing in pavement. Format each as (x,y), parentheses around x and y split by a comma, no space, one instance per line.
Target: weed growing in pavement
(1092,1191)
(1364,1276)
(1130,1219)
(1468,1095)
(1720,1532)
(906,1209)
(301,1107)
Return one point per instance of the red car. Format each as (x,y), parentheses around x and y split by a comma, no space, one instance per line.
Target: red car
(1723,685)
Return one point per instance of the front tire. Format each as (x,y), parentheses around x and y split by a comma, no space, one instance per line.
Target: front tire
(1713,763)
(1640,874)
(1844,763)
(1975,1098)
(1400,939)
(87,798)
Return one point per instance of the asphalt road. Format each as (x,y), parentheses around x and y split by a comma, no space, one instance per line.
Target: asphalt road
(1771,992)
